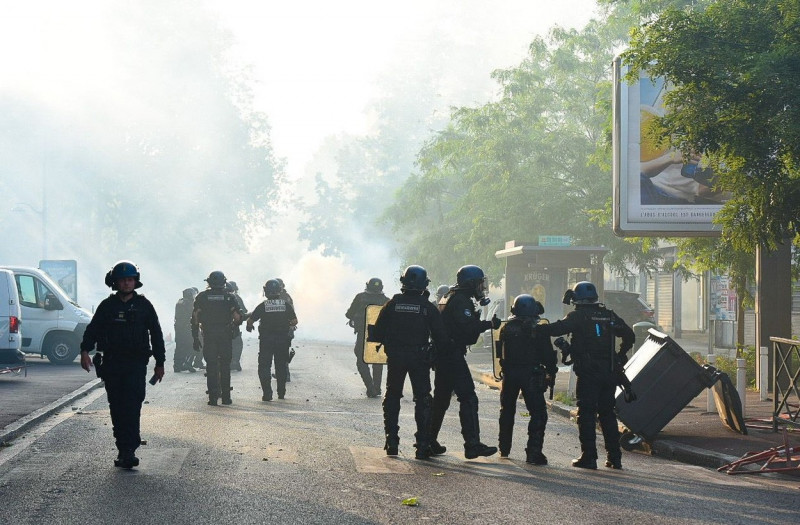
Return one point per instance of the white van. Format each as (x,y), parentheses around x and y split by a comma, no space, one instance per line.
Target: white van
(10,317)
(53,324)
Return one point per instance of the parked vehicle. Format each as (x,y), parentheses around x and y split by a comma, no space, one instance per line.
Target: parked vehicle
(629,306)
(10,318)
(53,324)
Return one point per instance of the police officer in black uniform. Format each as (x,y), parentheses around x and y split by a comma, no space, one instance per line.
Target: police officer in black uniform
(404,327)
(464,326)
(126,331)
(529,365)
(237,345)
(593,328)
(277,320)
(183,332)
(372,294)
(215,313)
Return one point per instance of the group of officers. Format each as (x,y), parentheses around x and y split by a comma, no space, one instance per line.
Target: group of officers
(415,333)
(418,335)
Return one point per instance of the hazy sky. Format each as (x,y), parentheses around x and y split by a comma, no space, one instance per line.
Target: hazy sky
(346,46)
(317,66)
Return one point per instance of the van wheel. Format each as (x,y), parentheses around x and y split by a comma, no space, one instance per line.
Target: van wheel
(61,348)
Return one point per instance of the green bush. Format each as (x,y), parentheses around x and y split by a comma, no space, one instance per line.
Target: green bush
(564,398)
(728,364)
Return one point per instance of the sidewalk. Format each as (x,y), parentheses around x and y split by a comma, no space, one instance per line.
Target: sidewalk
(693,436)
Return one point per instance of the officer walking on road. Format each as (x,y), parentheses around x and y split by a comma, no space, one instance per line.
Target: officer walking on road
(237,345)
(593,328)
(277,320)
(464,327)
(529,365)
(372,294)
(215,313)
(183,332)
(404,326)
(126,331)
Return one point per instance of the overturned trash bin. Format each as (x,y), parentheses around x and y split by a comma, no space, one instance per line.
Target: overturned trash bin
(665,379)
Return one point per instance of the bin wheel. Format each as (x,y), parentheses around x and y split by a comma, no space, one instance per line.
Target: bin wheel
(630,440)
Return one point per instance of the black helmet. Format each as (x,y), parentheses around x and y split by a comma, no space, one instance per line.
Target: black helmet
(216,279)
(374,285)
(272,288)
(583,293)
(472,278)
(526,306)
(414,278)
(121,270)
(231,286)
(280,281)
(442,290)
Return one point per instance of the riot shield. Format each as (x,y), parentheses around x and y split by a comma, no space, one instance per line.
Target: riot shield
(497,370)
(373,352)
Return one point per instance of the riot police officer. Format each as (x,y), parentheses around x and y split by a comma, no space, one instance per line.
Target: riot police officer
(594,328)
(215,313)
(183,332)
(404,326)
(126,330)
(372,294)
(237,345)
(441,291)
(277,320)
(464,326)
(529,365)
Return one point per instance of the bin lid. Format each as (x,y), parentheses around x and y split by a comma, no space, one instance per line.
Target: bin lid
(729,406)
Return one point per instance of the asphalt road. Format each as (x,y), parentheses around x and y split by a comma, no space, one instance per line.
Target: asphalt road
(316,457)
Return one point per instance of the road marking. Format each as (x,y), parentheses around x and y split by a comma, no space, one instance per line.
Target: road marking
(373,460)
(43,465)
(163,461)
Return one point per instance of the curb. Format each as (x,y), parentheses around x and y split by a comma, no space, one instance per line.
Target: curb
(16,428)
(662,448)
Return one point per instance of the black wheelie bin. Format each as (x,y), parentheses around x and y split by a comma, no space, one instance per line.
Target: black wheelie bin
(665,379)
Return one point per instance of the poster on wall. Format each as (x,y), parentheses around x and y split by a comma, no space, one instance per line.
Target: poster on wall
(724,301)
(657,191)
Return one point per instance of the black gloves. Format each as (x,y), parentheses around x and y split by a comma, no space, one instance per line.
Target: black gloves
(622,358)
(495,322)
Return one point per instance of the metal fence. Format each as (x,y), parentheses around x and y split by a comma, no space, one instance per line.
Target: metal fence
(786,382)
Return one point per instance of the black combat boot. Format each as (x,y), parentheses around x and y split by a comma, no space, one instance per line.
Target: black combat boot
(437,449)
(474,450)
(227,401)
(126,459)
(392,444)
(534,456)
(614,462)
(587,460)
(423,451)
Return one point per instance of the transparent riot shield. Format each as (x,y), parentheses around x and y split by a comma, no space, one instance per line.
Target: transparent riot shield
(497,370)
(373,352)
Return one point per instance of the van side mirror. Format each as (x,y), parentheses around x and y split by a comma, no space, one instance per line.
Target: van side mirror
(51,302)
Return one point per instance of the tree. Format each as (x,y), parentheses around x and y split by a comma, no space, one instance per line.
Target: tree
(736,71)
(535,162)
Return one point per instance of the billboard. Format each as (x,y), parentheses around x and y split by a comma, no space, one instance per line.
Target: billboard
(657,192)
(65,273)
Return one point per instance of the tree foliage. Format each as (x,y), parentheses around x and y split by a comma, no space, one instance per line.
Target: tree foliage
(735,66)
(534,162)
